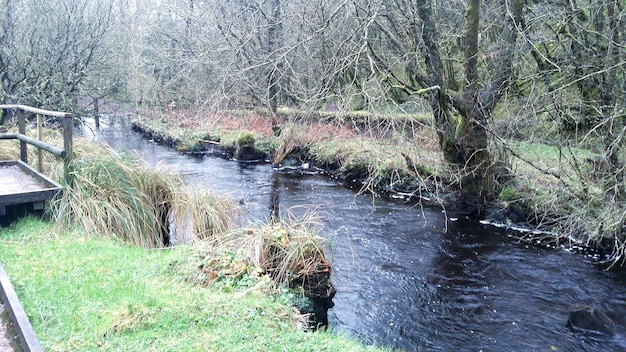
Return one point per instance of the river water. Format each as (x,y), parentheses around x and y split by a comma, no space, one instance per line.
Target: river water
(415,278)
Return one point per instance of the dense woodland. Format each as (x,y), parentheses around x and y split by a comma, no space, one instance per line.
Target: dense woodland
(495,77)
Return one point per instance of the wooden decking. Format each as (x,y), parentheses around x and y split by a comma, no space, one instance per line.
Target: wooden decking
(21,184)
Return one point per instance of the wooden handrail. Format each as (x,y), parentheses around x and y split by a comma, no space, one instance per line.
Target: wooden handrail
(37,143)
(34,110)
(68,126)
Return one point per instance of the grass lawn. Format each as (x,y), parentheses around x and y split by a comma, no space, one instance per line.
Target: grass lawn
(95,294)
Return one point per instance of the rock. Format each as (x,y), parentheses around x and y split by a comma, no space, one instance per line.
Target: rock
(248,153)
(321,305)
(589,318)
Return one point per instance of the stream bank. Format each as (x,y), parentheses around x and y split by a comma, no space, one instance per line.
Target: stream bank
(395,183)
(412,277)
(410,179)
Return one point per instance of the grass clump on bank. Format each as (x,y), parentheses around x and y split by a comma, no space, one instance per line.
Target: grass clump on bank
(83,293)
(121,195)
(283,254)
(289,251)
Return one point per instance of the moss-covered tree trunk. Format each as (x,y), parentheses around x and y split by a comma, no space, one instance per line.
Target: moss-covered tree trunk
(461,120)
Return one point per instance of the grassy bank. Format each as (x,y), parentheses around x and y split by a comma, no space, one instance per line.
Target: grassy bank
(385,153)
(100,278)
(550,187)
(86,293)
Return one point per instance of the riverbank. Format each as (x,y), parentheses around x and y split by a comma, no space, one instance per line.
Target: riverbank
(92,293)
(395,156)
(399,157)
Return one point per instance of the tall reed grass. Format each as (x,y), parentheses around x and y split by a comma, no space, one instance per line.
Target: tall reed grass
(119,194)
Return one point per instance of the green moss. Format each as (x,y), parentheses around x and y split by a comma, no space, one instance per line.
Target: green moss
(509,194)
(245,139)
(268,145)
(460,126)
(229,140)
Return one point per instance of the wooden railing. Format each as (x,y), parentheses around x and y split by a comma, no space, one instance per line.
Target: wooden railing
(68,127)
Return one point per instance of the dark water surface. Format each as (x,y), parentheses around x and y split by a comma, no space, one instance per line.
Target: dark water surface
(413,278)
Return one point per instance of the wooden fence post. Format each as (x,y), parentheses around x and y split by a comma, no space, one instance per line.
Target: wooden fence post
(68,128)
(21,124)
(40,137)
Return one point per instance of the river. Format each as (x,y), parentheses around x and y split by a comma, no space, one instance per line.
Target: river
(416,278)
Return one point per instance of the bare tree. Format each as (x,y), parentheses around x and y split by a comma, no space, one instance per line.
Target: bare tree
(49,48)
(407,46)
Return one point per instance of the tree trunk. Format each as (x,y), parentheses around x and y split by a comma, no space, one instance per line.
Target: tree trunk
(273,46)
(462,121)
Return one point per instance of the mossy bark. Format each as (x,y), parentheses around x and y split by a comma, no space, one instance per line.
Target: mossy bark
(461,119)
(465,147)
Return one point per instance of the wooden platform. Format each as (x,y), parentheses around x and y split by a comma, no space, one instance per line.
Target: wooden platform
(21,184)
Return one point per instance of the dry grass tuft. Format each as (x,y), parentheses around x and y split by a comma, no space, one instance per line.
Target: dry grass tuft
(289,251)
(121,195)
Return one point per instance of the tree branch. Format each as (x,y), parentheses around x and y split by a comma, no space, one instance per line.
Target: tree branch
(504,71)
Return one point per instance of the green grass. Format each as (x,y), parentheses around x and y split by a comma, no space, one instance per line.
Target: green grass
(549,154)
(570,164)
(565,194)
(85,293)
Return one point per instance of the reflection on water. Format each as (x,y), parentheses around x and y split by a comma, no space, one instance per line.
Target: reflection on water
(409,278)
